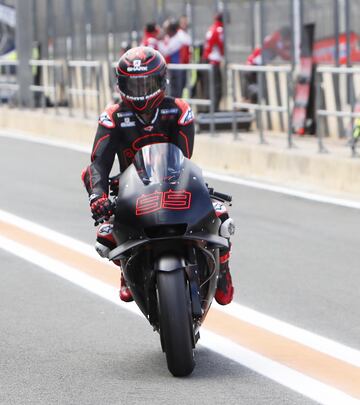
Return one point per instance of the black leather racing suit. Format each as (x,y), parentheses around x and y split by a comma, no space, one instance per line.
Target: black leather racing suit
(122,132)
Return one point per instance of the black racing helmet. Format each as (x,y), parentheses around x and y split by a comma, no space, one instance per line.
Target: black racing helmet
(141,76)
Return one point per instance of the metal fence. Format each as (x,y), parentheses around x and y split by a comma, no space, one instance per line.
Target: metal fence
(48,81)
(84,87)
(337,103)
(263,104)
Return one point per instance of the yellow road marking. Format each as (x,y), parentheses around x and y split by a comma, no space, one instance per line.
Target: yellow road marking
(320,366)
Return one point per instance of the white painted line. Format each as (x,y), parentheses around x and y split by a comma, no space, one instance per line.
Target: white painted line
(309,339)
(66,272)
(52,235)
(284,190)
(294,333)
(294,380)
(45,141)
(216,176)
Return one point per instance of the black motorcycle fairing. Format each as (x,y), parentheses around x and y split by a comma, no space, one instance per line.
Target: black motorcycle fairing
(138,206)
(214,241)
(136,202)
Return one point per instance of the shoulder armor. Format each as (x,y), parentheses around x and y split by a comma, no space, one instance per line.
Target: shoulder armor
(107,119)
(186,114)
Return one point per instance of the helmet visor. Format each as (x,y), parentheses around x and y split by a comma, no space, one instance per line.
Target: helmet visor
(140,87)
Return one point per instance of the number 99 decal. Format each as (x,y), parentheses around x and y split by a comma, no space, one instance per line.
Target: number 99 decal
(170,200)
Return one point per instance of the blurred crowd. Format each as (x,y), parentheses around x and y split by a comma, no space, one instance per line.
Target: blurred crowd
(173,41)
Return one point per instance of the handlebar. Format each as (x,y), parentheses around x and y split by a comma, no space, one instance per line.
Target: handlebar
(114,185)
(219,196)
(100,220)
(225,197)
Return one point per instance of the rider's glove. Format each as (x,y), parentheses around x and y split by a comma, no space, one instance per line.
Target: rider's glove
(101,208)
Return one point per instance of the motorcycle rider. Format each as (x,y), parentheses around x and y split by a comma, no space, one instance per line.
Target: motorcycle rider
(152,34)
(144,116)
(213,53)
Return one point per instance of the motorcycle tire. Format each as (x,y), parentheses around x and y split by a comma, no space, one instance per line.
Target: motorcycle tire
(175,322)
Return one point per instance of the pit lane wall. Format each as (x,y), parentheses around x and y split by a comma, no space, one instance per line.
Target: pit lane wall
(295,168)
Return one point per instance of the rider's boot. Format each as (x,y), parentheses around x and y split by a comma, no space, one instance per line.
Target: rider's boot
(124,293)
(225,290)
(105,242)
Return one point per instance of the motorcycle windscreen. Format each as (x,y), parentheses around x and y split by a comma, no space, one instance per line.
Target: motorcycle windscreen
(159,163)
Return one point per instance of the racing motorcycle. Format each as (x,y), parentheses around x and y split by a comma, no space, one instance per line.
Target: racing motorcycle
(168,242)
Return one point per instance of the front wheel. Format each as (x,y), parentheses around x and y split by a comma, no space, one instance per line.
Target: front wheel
(175,322)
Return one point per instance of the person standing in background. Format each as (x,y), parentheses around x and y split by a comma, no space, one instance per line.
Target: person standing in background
(214,54)
(185,56)
(151,35)
(175,47)
(183,30)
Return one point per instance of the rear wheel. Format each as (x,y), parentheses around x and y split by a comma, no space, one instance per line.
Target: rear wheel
(175,322)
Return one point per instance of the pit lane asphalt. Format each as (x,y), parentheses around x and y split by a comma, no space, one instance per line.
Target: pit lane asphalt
(293,259)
